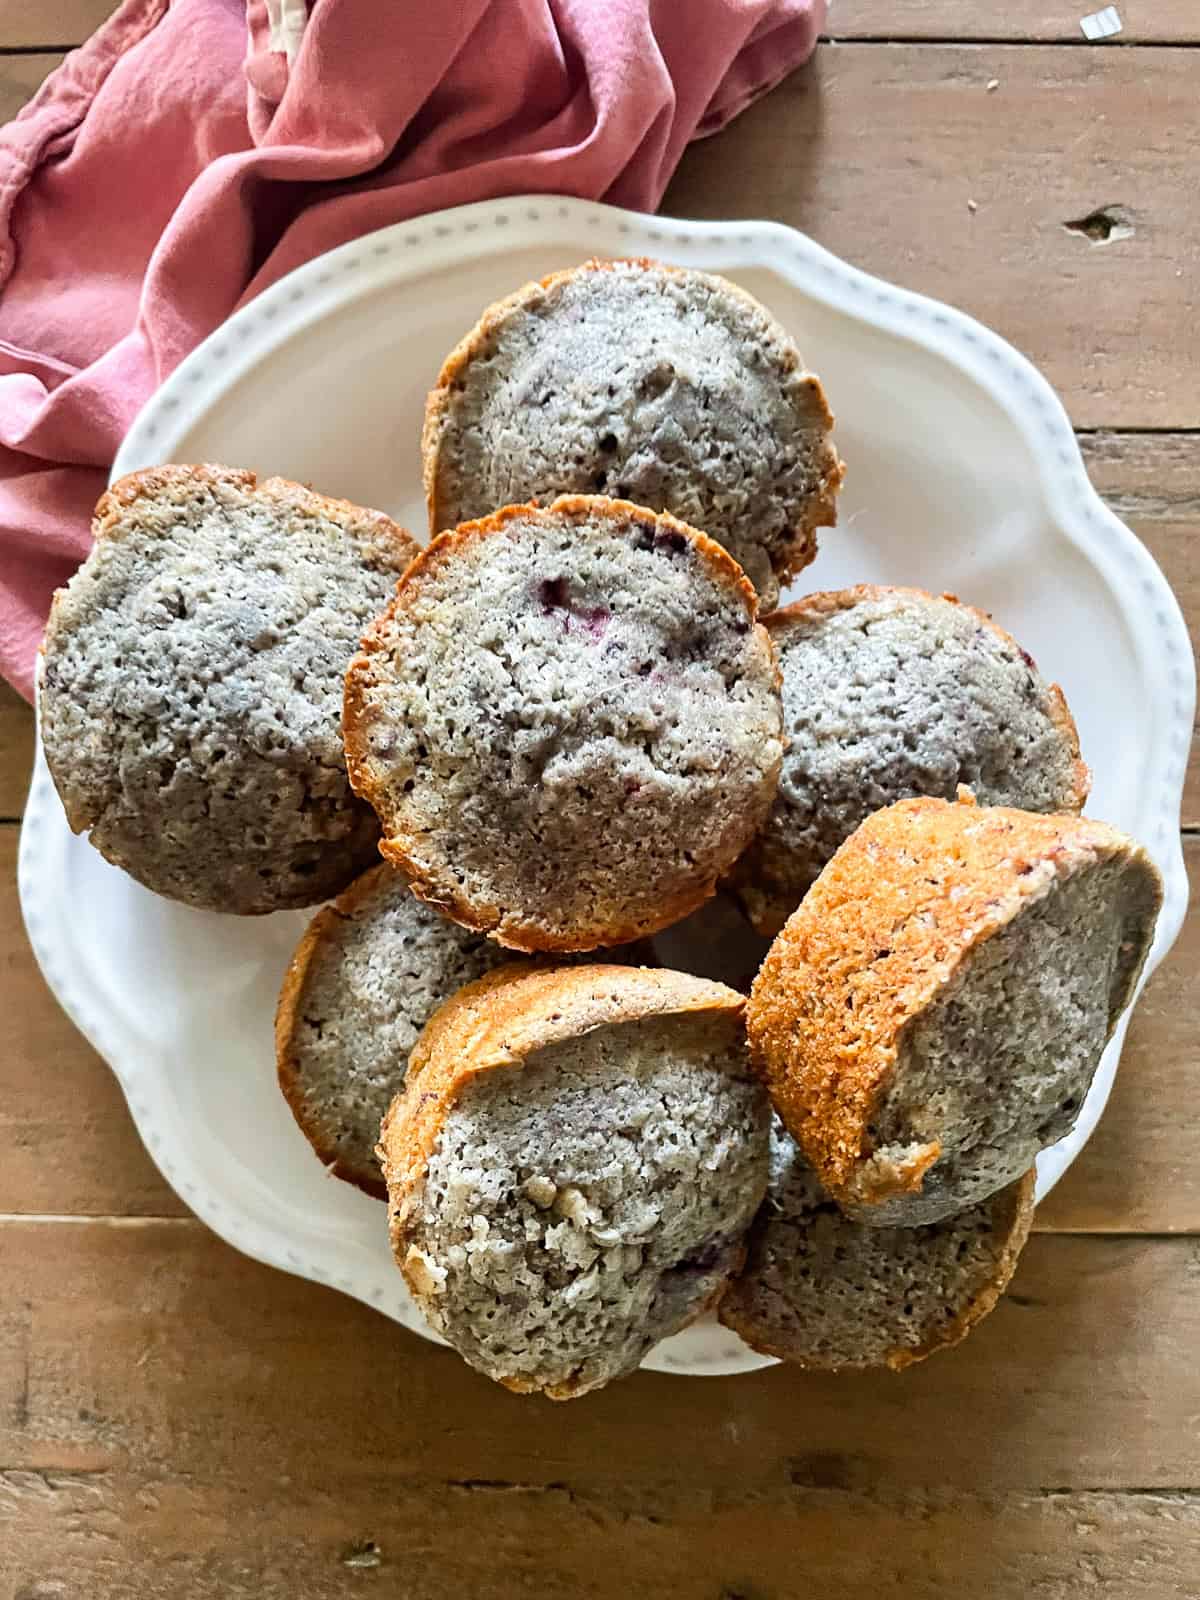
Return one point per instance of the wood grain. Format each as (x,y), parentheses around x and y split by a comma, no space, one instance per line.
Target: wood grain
(876,152)
(177,1420)
(148,1376)
(16,751)
(1018,21)
(68,1143)
(269,1538)
(20,79)
(28,23)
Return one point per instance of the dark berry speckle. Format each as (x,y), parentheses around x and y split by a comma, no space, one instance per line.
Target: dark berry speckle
(554,594)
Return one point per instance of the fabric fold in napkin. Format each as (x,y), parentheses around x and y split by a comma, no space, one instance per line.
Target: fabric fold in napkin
(194,151)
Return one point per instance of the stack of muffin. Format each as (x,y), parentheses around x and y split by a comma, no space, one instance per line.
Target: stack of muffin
(563,727)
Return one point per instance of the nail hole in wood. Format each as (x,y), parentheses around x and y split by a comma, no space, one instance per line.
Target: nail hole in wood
(1104,226)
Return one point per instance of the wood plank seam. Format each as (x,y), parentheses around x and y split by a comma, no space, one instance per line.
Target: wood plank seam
(630,1506)
(18,50)
(934,41)
(995,42)
(63,47)
(113,1219)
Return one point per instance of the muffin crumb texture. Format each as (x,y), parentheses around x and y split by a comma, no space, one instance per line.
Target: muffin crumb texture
(370,972)
(586,1200)
(1031,1011)
(892,693)
(568,722)
(934,1012)
(826,1292)
(668,387)
(191,685)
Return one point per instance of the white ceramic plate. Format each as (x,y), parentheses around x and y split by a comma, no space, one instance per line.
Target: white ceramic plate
(963,475)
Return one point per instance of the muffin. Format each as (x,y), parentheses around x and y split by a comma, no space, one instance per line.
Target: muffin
(568,722)
(368,974)
(191,683)
(888,694)
(572,1166)
(932,1015)
(665,386)
(827,1293)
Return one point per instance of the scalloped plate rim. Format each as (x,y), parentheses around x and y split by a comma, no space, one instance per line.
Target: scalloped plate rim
(287,307)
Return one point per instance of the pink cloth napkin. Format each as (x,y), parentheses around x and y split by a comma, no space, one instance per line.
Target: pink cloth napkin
(194,151)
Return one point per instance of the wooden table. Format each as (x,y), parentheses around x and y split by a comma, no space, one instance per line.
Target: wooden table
(176,1421)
